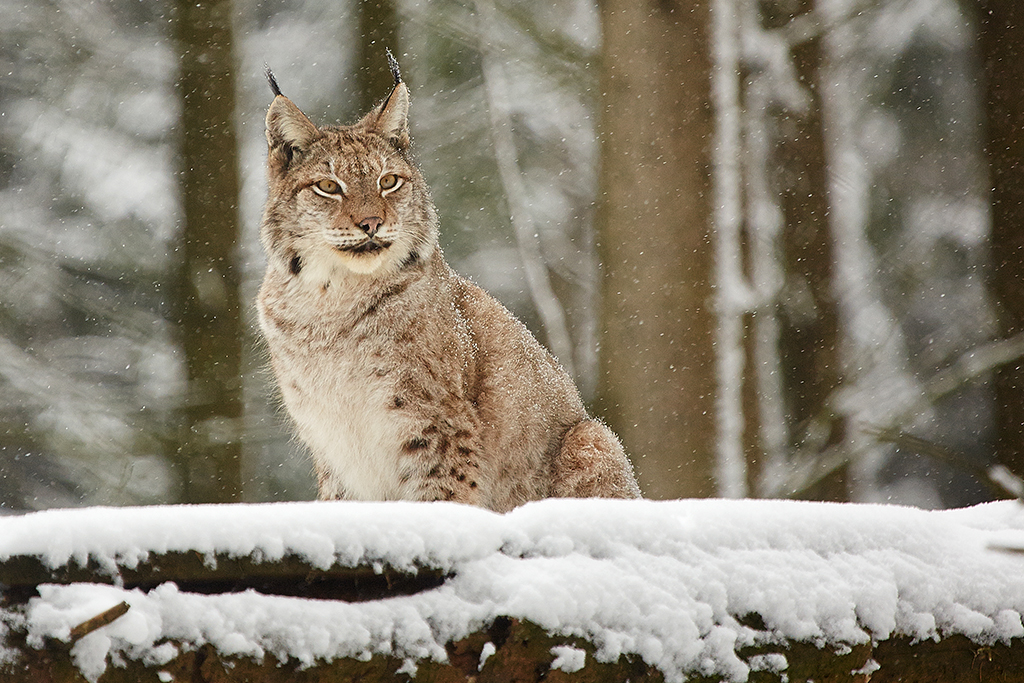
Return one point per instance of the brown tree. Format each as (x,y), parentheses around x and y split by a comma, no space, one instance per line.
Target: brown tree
(207,451)
(809,316)
(1000,29)
(657,366)
(378,30)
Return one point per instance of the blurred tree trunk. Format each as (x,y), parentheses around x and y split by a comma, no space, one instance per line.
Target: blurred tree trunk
(207,454)
(1001,30)
(657,381)
(809,316)
(378,31)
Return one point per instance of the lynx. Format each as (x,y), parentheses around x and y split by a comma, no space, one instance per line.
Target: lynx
(406,381)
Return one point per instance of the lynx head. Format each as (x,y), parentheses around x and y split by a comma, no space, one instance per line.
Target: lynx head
(345,197)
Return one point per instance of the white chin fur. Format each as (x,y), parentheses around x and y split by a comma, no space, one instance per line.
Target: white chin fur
(364,264)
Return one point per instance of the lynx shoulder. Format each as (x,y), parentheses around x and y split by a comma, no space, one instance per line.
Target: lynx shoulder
(405,381)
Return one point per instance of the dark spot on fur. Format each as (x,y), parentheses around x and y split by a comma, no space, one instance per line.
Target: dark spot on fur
(287,152)
(295,265)
(410,388)
(432,429)
(464,450)
(461,476)
(380,299)
(411,260)
(416,444)
(443,444)
(280,320)
(435,471)
(472,484)
(397,402)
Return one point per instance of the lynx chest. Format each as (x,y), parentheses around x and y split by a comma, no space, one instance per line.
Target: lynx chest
(339,388)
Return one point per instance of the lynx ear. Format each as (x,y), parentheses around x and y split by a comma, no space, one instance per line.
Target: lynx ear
(390,119)
(288,129)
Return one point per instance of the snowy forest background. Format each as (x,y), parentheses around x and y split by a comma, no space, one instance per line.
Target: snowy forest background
(775,241)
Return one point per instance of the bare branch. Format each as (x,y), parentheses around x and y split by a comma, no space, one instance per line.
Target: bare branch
(998,479)
(975,363)
(99,621)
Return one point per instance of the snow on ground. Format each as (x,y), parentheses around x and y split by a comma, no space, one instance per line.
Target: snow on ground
(662,580)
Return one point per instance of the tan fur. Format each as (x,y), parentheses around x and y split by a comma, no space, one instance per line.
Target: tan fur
(406,381)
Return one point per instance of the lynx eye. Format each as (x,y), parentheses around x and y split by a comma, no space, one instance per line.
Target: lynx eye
(327,187)
(389,181)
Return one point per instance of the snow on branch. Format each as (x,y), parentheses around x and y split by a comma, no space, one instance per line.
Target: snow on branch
(601,589)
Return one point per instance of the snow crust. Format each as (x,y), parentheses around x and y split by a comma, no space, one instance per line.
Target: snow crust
(669,581)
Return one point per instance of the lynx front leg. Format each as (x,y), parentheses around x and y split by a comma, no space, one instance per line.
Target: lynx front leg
(592,464)
(327,485)
(447,463)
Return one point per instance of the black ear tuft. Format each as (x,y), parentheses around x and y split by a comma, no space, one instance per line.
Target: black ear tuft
(393,65)
(273,81)
(389,119)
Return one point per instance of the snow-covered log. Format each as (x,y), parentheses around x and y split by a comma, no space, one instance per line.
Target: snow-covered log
(557,590)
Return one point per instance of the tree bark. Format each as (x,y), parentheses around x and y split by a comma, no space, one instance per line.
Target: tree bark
(522,654)
(209,573)
(657,384)
(207,452)
(809,333)
(378,31)
(1001,29)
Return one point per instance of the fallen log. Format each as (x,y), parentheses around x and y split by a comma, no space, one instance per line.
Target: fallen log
(521,652)
(211,573)
(558,590)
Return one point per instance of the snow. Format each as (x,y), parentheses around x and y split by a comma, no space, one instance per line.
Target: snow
(669,581)
(485,653)
(568,659)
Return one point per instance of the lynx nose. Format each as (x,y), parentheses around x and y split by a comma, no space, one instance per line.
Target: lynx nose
(370,225)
